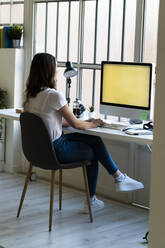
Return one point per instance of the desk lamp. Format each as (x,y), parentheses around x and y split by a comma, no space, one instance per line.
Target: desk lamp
(68,73)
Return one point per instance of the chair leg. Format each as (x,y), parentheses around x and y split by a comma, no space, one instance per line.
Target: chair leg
(24,189)
(51,199)
(60,189)
(87,192)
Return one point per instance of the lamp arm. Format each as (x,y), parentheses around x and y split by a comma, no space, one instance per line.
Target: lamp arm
(68,82)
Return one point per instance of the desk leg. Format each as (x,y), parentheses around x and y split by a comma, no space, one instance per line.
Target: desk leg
(2,142)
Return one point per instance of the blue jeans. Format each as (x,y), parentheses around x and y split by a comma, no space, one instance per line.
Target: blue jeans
(77,146)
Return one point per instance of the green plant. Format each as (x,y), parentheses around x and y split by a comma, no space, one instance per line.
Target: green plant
(3,104)
(91,108)
(15,32)
(3,98)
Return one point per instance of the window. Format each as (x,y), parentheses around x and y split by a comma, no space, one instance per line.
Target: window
(89,31)
(151,27)
(11,11)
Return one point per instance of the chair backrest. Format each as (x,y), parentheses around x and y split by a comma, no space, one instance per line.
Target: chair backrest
(36,142)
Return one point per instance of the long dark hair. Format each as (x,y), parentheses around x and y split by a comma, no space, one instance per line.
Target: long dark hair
(42,72)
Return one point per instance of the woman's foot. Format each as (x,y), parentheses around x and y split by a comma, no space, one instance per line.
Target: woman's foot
(96,205)
(127,184)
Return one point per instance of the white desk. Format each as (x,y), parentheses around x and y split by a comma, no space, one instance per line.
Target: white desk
(9,114)
(103,132)
(115,135)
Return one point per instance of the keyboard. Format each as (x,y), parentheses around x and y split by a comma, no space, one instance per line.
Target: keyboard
(116,125)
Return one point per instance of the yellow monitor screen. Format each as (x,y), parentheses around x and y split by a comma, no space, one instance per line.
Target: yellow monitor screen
(127,84)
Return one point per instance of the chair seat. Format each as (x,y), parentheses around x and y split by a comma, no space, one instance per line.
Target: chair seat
(75,164)
(72,165)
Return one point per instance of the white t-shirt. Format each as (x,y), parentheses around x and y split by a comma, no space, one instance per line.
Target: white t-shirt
(46,104)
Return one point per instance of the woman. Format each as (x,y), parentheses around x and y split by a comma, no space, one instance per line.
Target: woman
(43,99)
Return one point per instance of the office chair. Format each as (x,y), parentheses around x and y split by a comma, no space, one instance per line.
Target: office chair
(39,151)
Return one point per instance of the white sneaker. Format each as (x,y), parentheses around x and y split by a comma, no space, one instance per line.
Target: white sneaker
(96,205)
(128,184)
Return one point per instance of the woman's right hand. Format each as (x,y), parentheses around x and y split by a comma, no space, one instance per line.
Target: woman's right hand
(76,123)
(97,122)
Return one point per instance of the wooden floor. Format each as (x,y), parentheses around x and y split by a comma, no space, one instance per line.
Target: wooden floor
(116,226)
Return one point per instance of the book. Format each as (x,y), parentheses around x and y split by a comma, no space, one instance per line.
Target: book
(1,38)
(7,40)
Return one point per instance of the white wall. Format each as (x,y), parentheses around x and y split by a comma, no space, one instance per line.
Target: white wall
(11,74)
(157,203)
(12,80)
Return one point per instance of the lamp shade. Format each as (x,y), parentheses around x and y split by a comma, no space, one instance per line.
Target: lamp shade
(69,71)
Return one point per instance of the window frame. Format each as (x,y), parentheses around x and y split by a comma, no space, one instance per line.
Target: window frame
(11,3)
(138,47)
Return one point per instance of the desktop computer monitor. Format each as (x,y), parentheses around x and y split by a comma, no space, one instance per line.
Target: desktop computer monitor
(126,89)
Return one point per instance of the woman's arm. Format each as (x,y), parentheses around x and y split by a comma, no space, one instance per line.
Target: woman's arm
(76,123)
(65,123)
